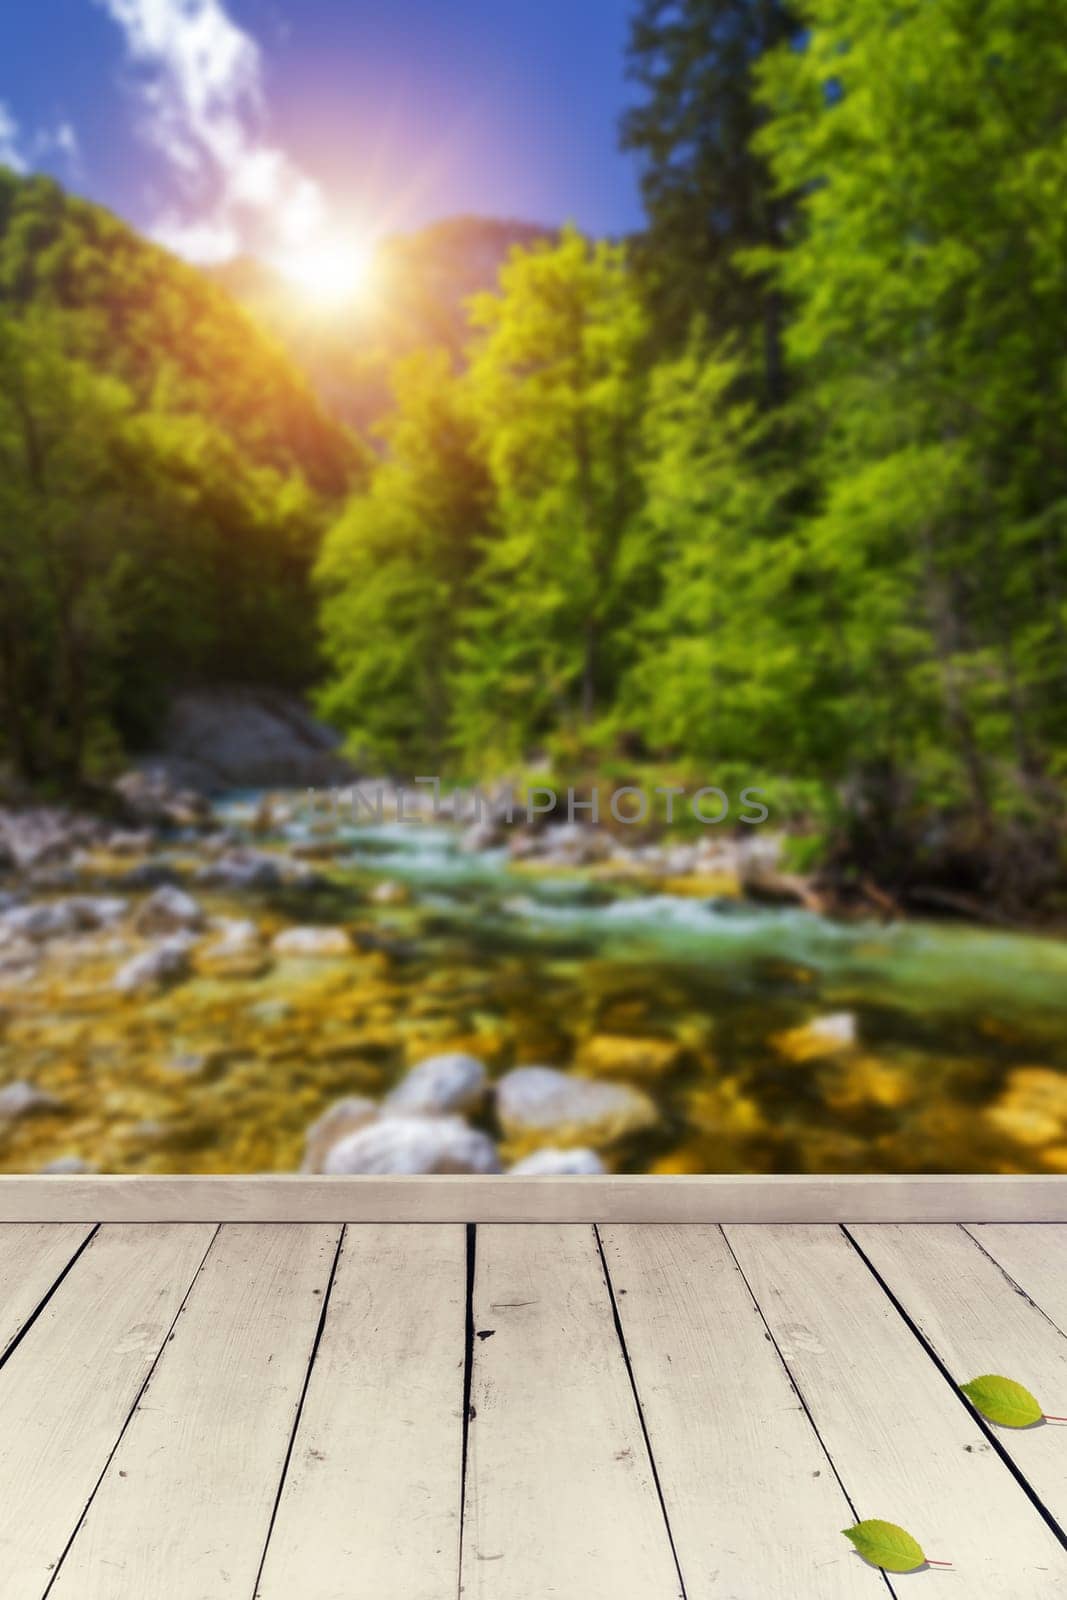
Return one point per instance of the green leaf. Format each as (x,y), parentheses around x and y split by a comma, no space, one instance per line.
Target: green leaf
(1003,1401)
(883,1544)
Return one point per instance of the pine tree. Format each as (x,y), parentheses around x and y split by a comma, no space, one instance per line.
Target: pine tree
(708,195)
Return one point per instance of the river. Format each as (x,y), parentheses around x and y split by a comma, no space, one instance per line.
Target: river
(771,1040)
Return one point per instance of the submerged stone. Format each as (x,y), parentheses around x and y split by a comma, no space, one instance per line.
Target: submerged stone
(439,1085)
(168,910)
(1033,1107)
(168,963)
(312,942)
(21,1099)
(822,1036)
(535,1103)
(414,1145)
(608,1055)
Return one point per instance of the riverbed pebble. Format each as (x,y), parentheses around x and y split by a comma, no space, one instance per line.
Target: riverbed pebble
(344,1117)
(165,964)
(67,1167)
(552,1163)
(440,1085)
(822,1036)
(168,910)
(540,1103)
(312,942)
(414,1145)
(57,919)
(21,1099)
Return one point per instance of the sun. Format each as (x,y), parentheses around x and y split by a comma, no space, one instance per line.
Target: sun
(330,273)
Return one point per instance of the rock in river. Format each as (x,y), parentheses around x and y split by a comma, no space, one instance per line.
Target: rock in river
(822,1036)
(618,1055)
(440,1085)
(312,942)
(153,969)
(336,1123)
(551,1163)
(56,919)
(539,1103)
(414,1145)
(236,951)
(169,910)
(21,1099)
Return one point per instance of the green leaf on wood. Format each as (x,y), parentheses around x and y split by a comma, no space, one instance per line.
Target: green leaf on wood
(1003,1401)
(883,1544)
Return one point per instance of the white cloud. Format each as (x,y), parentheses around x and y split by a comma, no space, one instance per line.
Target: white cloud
(203,107)
(10,152)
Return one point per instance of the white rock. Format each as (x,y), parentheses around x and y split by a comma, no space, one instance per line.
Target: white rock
(56,919)
(169,910)
(552,1163)
(235,934)
(837,1031)
(21,1099)
(312,942)
(167,963)
(533,1101)
(236,952)
(413,1145)
(336,1123)
(440,1085)
(67,1167)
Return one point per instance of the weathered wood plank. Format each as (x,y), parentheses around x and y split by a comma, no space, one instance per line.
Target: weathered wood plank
(184,1508)
(560,1495)
(904,1444)
(32,1257)
(972,1316)
(690,1198)
(734,1450)
(69,1388)
(1035,1257)
(371,1502)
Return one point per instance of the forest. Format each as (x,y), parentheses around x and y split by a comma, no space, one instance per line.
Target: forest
(774,492)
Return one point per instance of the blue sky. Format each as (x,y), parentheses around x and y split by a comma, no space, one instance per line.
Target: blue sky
(226,125)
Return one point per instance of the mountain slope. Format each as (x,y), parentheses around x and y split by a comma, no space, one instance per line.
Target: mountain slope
(166,329)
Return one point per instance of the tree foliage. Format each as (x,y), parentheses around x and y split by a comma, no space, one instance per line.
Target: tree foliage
(164,479)
(864,585)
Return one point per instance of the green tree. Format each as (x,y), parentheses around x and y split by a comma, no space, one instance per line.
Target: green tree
(557,385)
(68,442)
(929,321)
(395,572)
(708,193)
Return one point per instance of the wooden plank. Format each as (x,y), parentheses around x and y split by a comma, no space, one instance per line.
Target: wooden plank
(184,1508)
(32,1257)
(976,1321)
(560,1495)
(371,1503)
(904,1445)
(734,1450)
(67,1391)
(1034,1257)
(684,1198)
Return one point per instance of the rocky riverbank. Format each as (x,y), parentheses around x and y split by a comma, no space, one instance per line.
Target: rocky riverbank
(255,987)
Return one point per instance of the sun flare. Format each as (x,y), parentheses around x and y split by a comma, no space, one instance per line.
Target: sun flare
(331,273)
